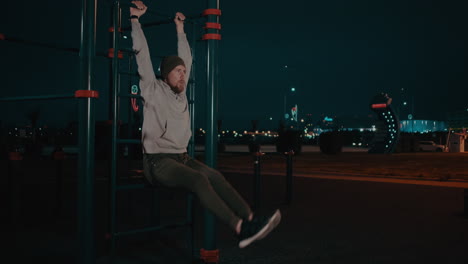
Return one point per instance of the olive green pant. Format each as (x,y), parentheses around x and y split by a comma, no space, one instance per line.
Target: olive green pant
(209,185)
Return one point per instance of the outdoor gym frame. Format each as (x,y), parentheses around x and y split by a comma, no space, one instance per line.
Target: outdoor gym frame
(86,94)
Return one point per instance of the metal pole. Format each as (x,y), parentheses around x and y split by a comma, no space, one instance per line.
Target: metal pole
(465,201)
(86,239)
(211,136)
(289,178)
(114,117)
(257,181)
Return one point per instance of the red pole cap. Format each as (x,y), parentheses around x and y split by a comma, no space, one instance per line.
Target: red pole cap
(212,11)
(110,54)
(209,256)
(59,155)
(111,29)
(15,156)
(213,25)
(211,36)
(86,93)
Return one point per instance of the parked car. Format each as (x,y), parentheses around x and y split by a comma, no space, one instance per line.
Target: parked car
(431,146)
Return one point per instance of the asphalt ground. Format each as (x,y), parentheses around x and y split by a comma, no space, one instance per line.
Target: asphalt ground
(330,220)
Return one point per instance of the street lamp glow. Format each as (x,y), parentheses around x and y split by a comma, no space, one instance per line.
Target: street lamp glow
(293,89)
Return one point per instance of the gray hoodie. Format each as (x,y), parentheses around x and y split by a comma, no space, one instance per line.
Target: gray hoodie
(166,123)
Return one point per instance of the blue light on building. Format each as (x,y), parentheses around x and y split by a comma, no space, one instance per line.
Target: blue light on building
(422,126)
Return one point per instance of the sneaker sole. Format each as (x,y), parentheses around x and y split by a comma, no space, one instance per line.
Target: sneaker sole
(272,223)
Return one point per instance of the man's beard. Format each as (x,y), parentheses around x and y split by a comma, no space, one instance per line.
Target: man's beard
(180,87)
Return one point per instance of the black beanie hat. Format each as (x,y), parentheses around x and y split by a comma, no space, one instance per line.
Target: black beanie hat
(168,64)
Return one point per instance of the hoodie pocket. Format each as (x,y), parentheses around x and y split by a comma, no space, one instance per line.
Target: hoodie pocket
(177,134)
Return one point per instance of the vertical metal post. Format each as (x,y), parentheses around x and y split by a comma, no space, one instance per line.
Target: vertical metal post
(257,181)
(209,242)
(86,239)
(289,177)
(58,157)
(465,201)
(114,112)
(15,176)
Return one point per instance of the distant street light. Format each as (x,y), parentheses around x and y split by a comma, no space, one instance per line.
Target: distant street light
(293,89)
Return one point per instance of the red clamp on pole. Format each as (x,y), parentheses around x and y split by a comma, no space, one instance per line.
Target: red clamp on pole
(211,36)
(109,122)
(213,25)
(86,94)
(111,53)
(59,155)
(15,156)
(2,37)
(212,11)
(374,106)
(209,256)
(111,29)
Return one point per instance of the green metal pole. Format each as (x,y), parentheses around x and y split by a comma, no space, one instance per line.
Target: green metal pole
(86,225)
(114,117)
(212,131)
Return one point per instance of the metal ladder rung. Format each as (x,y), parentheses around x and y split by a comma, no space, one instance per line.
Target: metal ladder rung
(132,186)
(128,141)
(151,228)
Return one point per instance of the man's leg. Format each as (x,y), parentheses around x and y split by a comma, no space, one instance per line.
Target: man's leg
(249,231)
(167,170)
(223,188)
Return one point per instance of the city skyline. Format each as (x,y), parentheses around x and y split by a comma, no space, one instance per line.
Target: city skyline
(337,55)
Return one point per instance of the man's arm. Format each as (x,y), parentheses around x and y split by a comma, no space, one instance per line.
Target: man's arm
(183,47)
(140,46)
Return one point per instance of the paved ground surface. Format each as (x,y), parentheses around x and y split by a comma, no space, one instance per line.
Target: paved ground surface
(332,219)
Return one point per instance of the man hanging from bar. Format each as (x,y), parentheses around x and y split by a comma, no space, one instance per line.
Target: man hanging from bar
(166,133)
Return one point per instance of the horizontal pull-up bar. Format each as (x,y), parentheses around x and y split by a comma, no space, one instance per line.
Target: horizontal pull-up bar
(189,18)
(38,44)
(160,22)
(46,45)
(39,97)
(131,95)
(77,94)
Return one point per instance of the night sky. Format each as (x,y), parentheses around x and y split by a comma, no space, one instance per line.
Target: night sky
(338,54)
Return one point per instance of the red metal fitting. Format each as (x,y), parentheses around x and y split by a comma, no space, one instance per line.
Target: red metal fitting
(209,256)
(134,104)
(111,29)
(212,11)
(109,122)
(86,93)
(213,25)
(374,106)
(211,36)
(259,154)
(59,155)
(15,156)
(2,37)
(110,54)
